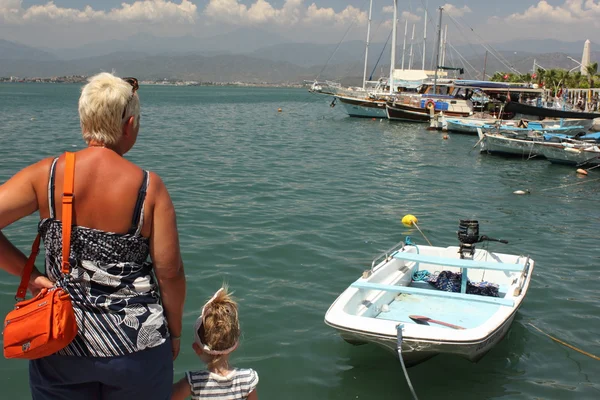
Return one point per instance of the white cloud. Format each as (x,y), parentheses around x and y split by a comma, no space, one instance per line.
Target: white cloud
(570,12)
(291,13)
(410,17)
(455,11)
(12,11)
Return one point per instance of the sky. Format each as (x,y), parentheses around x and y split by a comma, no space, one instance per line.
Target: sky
(73,23)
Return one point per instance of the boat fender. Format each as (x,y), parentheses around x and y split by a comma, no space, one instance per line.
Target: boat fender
(429,105)
(521,192)
(572,150)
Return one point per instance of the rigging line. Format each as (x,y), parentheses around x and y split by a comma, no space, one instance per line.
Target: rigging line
(496,54)
(336,49)
(344,73)
(464,59)
(458,25)
(465,37)
(380,55)
(489,47)
(570,184)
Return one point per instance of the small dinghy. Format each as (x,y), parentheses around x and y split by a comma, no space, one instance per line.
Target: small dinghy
(420,301)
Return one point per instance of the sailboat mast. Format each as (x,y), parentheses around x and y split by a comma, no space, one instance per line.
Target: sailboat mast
(367,46)
(393,55)
(444,45)
(412,40)
(425,36)
(404,43)
(437,51)
(485,65)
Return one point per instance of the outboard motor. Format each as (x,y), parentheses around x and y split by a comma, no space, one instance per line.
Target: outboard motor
(468,235)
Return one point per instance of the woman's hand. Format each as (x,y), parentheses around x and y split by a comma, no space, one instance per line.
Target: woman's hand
(175,344)
(37,282)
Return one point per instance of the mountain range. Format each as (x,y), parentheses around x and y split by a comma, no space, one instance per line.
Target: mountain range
(252,55)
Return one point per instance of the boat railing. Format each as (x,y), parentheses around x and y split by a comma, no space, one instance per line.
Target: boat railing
(386,255)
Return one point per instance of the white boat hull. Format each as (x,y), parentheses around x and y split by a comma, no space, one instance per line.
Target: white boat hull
(416,351)
(570,155)
(354,110)
(373,306)
(499,144)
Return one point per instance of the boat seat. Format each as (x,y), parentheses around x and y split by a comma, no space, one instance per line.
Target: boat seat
(458,262)
(365,285)
(463,264)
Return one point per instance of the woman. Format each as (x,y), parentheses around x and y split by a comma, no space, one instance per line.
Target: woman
(128,331)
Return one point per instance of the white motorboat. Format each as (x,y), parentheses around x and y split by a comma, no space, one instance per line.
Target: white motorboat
(391,305)
(576,154)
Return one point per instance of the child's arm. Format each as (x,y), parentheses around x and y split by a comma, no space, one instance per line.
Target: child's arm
(253,395)
(181,390)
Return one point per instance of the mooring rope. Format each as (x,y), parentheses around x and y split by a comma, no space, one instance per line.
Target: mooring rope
(565,344)
(570,184)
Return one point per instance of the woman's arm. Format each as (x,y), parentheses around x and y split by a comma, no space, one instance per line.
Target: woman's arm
(17,200)
(181,390)
(166,256)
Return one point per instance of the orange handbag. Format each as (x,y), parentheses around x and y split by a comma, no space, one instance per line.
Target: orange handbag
(45,324)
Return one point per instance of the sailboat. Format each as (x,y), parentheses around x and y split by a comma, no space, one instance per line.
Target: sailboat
(431,100)
(363,102)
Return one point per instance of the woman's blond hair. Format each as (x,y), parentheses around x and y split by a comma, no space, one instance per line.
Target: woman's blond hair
(220,329)
(101,105)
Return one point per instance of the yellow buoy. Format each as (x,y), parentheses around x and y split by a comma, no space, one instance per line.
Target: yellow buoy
(582,171)
(409,220)
(445,137)
(279,110)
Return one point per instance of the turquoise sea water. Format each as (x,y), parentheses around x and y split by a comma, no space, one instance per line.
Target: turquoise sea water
(289,208)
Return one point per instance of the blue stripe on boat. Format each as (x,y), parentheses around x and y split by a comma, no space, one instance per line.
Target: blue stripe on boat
(457,262)
(360,284)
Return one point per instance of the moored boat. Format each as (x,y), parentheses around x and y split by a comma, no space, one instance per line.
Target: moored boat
(364,107)
(545,112)
(572,154)
(507,143)
(391,303)
(418,108)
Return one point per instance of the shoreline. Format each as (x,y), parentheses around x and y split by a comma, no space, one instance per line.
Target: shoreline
(80,79)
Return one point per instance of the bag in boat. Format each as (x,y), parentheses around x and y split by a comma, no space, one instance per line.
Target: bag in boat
(45,324)
(449,281)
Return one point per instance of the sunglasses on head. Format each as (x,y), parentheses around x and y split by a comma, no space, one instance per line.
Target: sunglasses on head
(134,87)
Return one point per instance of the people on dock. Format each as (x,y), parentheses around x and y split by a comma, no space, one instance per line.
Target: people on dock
(216,336)
(128,310)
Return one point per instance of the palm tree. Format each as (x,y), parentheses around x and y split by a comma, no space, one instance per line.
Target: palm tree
(540,73)
(592,70)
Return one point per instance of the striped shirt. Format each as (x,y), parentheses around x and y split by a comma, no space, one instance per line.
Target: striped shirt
(115,296)
(207,385)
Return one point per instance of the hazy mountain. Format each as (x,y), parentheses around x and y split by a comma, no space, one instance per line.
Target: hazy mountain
(217,60)
(240,41)
(541,46)
(16,51)
(309,54)
(220,68)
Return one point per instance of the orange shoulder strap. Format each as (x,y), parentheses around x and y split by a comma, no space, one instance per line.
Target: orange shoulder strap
(67,216)
(67,210)
(22,290)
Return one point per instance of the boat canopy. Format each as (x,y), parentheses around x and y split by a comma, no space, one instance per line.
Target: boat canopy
(491,87)
(409,78)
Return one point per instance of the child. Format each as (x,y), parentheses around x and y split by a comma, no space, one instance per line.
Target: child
(216,335)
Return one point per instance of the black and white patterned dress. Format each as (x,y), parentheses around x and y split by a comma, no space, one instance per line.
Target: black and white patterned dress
(114,292)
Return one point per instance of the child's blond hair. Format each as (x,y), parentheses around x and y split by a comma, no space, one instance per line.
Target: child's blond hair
(220,329)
